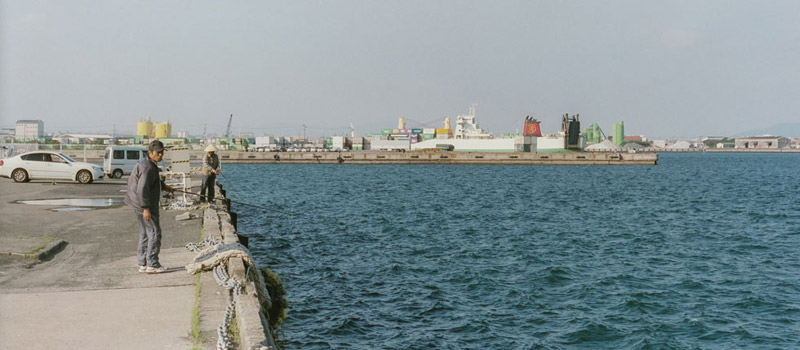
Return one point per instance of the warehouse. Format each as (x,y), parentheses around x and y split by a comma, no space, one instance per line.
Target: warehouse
(763,142)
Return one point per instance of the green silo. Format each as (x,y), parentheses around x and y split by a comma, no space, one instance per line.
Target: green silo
(587,134)
(596,133)
(619,133)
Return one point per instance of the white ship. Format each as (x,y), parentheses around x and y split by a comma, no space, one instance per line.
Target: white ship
(469,137)
(467,128)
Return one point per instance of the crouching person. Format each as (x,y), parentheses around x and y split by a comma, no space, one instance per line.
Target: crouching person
(144,193)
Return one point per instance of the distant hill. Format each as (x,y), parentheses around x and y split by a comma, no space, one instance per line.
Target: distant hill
(784,129)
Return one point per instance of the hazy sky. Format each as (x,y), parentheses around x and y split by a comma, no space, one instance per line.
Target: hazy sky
(667,68)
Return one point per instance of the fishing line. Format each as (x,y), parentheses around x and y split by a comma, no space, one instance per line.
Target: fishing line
(234,190)
(229,183)
(232,201)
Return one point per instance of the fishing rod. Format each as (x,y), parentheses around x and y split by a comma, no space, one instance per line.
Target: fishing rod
(232,201)
(241,203)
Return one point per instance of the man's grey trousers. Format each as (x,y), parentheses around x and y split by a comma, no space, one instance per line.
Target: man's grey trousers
(149,240)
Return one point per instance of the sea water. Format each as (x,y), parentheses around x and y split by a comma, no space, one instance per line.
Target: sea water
(701,251)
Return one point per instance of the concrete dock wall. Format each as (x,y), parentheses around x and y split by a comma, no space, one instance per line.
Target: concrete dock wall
(643,157)
(411,157)
(423,157)
(415,157)
(372,157)
(252,323)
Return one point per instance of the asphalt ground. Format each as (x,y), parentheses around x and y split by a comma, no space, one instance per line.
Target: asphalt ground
(88,294)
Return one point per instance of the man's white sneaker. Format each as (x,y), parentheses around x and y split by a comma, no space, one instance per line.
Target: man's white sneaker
(142,269)
(159,269)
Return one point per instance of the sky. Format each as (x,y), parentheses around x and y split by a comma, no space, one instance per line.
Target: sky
(668,69)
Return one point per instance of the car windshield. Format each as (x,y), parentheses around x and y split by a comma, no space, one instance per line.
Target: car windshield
(67,157)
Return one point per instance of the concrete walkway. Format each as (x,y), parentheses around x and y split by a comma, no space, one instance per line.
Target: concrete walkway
(139,318)
(89,294)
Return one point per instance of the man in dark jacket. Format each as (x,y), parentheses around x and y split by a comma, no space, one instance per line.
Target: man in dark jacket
(144,194)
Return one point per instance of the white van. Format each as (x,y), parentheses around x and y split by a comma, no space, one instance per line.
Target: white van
(119,160)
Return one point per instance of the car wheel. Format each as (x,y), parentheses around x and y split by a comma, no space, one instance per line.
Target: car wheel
(20,175)
(117,174)
(84,177)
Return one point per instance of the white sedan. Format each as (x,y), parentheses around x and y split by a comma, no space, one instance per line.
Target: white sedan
(48,165)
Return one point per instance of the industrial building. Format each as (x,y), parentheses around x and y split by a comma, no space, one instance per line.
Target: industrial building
(469,137)
(762,142)
(29,129)
(81,138)
(146,129)
(7,134)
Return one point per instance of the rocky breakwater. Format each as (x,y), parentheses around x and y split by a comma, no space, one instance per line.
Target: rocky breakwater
(256,303)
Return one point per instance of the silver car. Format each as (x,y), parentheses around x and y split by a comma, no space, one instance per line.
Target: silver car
(48,165)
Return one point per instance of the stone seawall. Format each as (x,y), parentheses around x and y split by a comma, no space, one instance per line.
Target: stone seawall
(253,325)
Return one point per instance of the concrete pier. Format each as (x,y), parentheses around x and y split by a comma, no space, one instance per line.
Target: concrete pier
(435,157)
(646,156)
(87,293)
(70,280)
(415,157)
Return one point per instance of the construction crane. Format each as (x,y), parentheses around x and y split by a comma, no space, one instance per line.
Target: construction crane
(228,130)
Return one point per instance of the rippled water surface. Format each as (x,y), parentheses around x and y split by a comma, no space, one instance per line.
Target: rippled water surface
(700,251)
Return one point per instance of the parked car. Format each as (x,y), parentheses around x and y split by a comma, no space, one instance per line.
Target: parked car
(120,160)
(48,165)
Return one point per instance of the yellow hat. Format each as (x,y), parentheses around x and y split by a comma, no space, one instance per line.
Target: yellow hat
(211,148)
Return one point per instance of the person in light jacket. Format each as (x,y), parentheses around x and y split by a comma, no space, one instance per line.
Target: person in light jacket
(211,168)
(144,194)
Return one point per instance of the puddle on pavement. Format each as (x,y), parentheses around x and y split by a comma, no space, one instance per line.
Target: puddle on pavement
(76,202)
(71,209)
